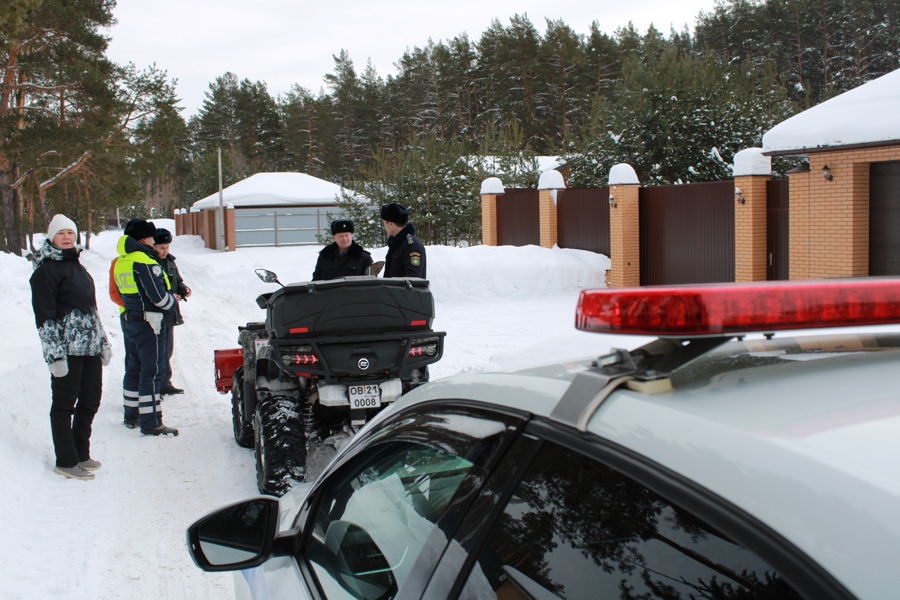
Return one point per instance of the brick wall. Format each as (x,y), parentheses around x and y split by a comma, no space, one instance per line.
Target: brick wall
(829,220)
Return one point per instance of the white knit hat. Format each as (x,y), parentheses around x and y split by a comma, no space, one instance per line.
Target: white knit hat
(58,223)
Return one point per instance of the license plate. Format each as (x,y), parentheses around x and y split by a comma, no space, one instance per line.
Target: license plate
(364,396)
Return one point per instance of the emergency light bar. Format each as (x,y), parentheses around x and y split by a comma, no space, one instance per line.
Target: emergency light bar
(733,309)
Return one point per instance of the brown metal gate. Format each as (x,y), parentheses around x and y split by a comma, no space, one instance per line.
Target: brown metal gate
(777,234)
(687,233)
(582,219)
(518,218)
(884,218)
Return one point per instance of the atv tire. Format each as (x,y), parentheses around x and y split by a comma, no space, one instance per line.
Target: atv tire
(279,443)
(243,429)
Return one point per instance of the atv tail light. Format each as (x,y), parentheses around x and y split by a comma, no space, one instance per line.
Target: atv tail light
(423,347)
(298,355)
(418,323)
(298,330)
(673,311)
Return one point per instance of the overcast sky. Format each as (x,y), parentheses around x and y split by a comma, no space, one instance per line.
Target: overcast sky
(283,42)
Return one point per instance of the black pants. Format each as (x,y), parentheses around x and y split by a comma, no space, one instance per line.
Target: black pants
(76,399)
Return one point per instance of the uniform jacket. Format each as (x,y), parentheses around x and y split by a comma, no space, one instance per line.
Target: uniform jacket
(332,264)
(405,255)
(176,286)
(142,283)
(65,305)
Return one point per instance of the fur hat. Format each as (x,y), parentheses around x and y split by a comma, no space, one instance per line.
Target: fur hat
(163,236)
(341,226)
(395,213)
(58,223)
(140,229)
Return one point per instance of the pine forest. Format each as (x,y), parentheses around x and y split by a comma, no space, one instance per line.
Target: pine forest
(82,135)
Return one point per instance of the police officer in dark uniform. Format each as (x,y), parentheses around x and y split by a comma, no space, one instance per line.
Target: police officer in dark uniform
(406,253)
(143,286)
(343,257)
(181,292)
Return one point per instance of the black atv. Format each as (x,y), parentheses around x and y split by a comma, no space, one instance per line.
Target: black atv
(329,356)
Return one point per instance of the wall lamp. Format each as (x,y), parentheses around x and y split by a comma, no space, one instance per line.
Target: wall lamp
(739,195)
(612,201)
(826,173)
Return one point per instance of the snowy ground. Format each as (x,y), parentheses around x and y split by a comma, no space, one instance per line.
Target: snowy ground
(122,535)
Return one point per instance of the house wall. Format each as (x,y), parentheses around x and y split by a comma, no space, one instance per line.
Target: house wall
(829,220)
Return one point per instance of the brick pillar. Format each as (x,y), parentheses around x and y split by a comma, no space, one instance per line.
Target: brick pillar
(489,219)
(547,217)
(750,250)
(229,229)
(799,233)
(624,236)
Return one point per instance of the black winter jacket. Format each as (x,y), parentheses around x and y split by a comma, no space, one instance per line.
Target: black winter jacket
(176,286)
(65,305)
(405,255)
(333,265)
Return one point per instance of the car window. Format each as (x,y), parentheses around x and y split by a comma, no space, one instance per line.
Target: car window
(376,520)
(575,529)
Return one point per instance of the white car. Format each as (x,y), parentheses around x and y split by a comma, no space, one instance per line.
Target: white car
(705,464)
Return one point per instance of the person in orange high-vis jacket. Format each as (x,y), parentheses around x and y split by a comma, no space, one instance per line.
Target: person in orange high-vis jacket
(117,299)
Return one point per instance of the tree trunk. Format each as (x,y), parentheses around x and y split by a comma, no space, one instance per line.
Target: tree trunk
(14,241)
(90,222)
(45,204)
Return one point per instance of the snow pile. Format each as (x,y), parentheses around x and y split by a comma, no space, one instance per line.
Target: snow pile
(122,535)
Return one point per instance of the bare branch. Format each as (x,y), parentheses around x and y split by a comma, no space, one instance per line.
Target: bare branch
(70,169)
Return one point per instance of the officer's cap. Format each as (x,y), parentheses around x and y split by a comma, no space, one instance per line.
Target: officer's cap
(140,229)
(395,213)
(341,226)
(163,236)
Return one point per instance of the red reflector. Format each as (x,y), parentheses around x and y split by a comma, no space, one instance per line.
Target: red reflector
(418,323)
(305,359)
(298,330)
(739,308)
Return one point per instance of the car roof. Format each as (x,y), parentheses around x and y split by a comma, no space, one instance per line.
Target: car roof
(802,433)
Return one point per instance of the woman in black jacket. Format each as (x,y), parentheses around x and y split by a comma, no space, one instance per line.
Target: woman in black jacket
(74,343)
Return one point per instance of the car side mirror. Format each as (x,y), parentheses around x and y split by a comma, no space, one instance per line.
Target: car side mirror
(238,536)
(268,276)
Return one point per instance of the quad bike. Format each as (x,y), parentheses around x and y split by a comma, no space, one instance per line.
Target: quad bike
(329,356)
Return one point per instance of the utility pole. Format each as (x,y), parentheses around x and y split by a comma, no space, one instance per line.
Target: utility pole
(220,215)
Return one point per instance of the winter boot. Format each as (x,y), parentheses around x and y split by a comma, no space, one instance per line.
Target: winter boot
(90,464)
(76,472)
(161,430)
(170,390)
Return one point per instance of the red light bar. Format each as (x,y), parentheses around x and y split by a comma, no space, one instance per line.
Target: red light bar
(421,323)
(677,311)
(298,330)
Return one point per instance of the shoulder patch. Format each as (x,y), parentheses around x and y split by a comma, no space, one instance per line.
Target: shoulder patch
(409,238)
(415,261)
(157,270)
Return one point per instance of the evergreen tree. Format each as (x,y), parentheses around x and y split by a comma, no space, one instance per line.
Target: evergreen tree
(679,119)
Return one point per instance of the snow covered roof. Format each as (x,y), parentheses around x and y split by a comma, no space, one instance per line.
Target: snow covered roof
(275,189)
(865,115)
